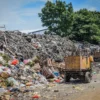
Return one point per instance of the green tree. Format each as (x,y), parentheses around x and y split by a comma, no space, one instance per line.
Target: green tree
(58,17)
(85,27)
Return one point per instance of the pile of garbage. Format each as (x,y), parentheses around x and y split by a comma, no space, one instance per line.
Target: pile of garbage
(30,61)
(30,45)
(24,75)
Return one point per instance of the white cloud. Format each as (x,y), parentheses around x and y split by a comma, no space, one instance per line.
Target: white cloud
(94,1)
(46,0)
(91,5)
(87,7)
(13,17)
(92,8)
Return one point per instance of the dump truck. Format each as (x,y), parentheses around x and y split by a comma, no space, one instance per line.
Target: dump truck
(78,66)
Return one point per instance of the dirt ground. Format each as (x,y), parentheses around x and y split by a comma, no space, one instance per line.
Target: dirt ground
(75,90)
(91,94)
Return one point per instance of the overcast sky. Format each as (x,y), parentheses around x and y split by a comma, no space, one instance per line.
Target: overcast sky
(23,14)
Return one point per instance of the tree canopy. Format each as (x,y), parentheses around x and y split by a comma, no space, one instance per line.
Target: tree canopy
(83,25)
(58,17)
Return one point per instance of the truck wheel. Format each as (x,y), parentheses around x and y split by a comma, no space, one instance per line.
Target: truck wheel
(88,77)
(67,78)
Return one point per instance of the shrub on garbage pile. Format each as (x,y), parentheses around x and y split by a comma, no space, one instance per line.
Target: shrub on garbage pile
(6,64)
(5,82)
(8,84)
(31,64)
(5,57)
(36,60)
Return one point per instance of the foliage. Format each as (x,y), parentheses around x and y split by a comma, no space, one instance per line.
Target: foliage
(31,64)
(5,57)
(58,17)
(8,84)
(83,25)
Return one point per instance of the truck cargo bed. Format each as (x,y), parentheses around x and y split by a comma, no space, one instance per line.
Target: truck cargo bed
(77,63)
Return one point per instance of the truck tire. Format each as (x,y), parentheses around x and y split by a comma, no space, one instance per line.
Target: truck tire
(67,78)
(88,77)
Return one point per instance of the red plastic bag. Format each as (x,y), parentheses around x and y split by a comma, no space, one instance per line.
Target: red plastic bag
(36,96)
(15,62)
(57,80)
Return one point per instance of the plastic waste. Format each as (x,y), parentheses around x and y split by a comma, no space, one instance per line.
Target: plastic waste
(42,79)
(5,71)
(15,62)
(29,84)
(36,95)
(56,74)
(15,90)
(26,61)
(94,72)
(2,60)
(57,80)
(4,75)
(11,79)
(22,77)
(7,97)
(2,91)
(1,70)
(22,85)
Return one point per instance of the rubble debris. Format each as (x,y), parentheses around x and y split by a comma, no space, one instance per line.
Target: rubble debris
(56,90)
(21,76)
(51,46)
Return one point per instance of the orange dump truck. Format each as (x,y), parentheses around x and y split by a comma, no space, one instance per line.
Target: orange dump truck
(78,67)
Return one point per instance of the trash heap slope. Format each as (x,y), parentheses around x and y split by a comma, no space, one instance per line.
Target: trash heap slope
(30,45)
